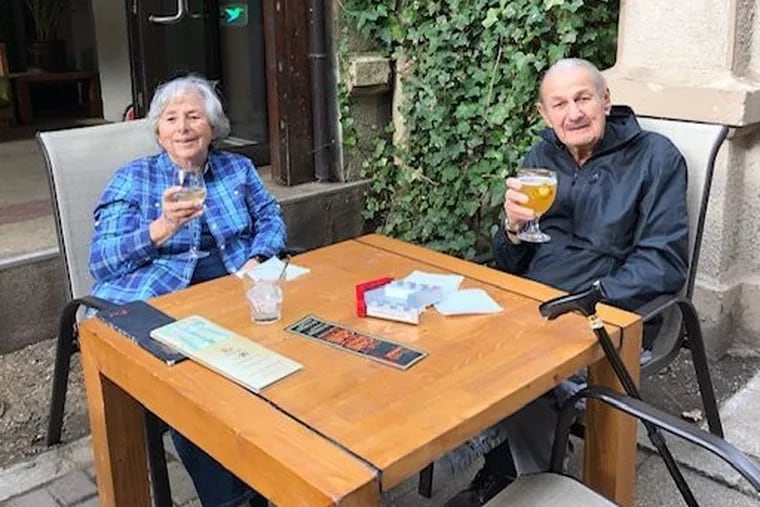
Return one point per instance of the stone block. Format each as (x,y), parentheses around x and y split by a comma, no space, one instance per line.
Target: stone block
(36,498)
(717,308)
(72,488)
(35,298)
(369,71)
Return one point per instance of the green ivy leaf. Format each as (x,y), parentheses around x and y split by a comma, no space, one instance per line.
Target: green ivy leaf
(492,17)
(469,106)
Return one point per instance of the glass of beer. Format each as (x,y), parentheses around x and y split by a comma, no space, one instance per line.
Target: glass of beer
(193,189)
(540,185)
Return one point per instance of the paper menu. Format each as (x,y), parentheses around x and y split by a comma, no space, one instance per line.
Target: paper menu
(236,357)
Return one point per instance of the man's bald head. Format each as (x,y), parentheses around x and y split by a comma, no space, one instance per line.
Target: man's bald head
(574,63)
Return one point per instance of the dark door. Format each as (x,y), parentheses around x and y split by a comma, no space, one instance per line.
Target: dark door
(222,40)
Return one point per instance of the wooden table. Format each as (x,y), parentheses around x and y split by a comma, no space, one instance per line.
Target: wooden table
(24,80)
(345,428)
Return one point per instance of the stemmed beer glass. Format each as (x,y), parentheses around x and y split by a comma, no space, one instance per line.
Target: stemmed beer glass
(540,185)
(193,189)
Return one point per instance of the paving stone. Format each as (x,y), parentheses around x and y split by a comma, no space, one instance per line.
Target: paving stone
(740,415)
(43,468)
(182,486)
(171,452)
(90,502)
(37,498)
(655,488)
(79,452)
(72,488)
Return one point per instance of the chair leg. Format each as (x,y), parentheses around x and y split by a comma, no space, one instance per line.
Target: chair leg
(159,476)
(64,349)
(699,357)
(425,485)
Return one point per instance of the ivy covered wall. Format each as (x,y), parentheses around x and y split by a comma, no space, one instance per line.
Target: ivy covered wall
(469,91)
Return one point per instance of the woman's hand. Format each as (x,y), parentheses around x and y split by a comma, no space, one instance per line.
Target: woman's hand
(516,214)
(250,264)
(174,215)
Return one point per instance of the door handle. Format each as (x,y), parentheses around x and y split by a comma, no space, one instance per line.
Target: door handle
(174,19)
(191,14)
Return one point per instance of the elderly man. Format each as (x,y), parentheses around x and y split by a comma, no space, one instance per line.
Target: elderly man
(619,217)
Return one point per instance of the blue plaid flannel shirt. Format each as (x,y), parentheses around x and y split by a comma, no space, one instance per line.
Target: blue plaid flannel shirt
(242,215)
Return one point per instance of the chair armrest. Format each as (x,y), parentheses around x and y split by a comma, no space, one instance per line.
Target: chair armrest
(291,251)
(94,302)
(656,306)
(67,324)
(645,412)
(485,258)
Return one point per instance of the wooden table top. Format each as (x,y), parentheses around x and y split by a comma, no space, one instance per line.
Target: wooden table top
(480,368)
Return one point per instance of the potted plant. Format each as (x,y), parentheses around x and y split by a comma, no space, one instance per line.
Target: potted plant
(45,50)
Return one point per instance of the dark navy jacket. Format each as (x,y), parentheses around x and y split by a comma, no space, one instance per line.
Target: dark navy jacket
(620,218)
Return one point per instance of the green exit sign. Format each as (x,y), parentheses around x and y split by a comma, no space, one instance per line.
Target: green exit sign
(233,14)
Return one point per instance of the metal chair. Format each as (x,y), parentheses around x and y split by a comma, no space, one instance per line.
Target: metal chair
(679,328)
(80,162)
(699,143)
(554,488)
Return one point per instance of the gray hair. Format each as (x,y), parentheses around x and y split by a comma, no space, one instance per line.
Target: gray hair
(166,92)
(600,82)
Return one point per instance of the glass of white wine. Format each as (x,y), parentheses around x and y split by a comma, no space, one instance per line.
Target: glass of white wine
(193,189)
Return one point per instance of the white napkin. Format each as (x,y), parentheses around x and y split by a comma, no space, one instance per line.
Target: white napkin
(468,301)
(271,269)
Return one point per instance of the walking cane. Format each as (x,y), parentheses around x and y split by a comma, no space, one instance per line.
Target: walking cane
(585,303)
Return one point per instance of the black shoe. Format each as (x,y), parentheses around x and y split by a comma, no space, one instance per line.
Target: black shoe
(484,486)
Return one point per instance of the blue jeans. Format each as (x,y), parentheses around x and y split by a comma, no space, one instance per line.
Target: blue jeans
(216,486)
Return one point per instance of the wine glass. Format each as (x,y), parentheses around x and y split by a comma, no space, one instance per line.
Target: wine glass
(193,189)
(540,185)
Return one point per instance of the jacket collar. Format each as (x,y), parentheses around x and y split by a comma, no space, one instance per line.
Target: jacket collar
(166,164)
(620,128)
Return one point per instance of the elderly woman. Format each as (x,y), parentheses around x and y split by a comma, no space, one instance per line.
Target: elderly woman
(144,228)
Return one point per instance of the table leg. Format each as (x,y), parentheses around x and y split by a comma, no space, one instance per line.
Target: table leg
(609,465)
(95,107)
(24,102)
(116,423)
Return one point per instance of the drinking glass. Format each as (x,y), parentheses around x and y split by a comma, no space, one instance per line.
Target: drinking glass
(540,185)
(193,189)
(264,300)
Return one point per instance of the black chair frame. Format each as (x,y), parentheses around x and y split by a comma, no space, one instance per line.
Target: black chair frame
(649,414)
(66,346)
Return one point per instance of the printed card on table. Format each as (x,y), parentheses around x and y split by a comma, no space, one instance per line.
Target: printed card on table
(357,342)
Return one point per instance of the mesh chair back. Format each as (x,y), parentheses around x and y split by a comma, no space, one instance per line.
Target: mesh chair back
(80,162)
(699,144)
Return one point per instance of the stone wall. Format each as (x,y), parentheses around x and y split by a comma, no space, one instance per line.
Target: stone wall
(699,60)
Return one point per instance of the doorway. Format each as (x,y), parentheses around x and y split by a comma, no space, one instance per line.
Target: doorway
(259,51)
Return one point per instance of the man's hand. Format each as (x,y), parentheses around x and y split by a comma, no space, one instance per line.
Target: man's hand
(516,214)
(174,215)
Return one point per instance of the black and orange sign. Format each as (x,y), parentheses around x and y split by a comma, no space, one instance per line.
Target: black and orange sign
(351,340)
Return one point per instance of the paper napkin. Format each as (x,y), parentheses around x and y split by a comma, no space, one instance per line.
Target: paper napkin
(271,269)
